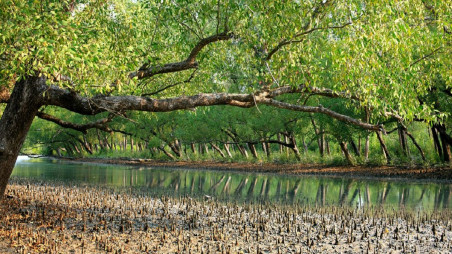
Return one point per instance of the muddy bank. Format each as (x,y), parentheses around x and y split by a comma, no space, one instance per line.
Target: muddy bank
(442,173)
(84,219)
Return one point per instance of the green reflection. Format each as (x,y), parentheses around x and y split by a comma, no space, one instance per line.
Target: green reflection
(242,187)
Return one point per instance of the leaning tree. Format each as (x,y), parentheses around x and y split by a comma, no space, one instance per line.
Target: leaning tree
(112,56)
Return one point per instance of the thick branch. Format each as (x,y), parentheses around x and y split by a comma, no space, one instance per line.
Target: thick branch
(91,106)
(321,110)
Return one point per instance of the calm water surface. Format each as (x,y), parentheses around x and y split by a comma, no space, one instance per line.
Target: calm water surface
(244,187)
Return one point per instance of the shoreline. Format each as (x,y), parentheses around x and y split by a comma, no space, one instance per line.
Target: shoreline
(400,173)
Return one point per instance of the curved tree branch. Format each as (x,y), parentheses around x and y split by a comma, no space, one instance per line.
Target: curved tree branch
(146,71)
(91,106)
(99,124)
(322,110)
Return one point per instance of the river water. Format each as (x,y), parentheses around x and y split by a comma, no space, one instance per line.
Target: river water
(244,187)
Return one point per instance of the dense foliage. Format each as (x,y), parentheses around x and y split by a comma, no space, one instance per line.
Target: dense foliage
(386,63)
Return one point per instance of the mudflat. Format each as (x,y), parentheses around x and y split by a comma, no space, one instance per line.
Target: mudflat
(52,217)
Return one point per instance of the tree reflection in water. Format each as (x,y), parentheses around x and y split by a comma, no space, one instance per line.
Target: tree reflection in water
(319,191)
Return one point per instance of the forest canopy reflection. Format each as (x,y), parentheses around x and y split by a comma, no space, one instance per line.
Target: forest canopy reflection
(240,187)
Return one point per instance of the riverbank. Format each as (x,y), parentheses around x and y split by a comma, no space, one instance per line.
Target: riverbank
(86,219)
(439,173)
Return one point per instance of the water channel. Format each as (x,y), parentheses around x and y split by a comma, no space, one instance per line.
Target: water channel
(244,187)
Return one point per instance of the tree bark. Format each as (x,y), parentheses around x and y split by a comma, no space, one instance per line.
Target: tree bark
(281,147)
(355,148)
(438,147)
(295,147)
(226,147)
(252,148)
(446,148)
(383,147)
(268,149)
(347,154)
(366,148)
(24,103)
(217,149)
(403,140)
(319,138)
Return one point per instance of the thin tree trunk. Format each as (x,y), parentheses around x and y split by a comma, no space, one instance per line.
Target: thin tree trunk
(281,147)
(438,147)
(193,149)
(355,148)
(87,145)
(319,139)
(242,150)
(383,147)
(206,148)
(295,147)
(286,140)
(347,154)
(366,148)
(403,141)
(162,148)
(101,142)
(253,149)
(446,148)
(305,146)
(416,144)
(264,148)
(327,147)
(228,151)
(268,148)
(217,149)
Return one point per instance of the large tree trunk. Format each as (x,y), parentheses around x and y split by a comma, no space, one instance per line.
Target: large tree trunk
(24,103)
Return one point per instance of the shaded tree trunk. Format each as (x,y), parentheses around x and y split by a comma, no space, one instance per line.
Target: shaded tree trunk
(228,151)
(268,149)
(446,142)
(281,147)
(217,149)
(446,148)
(327,147)
(403,140)
(253,149)
(347,154)
(355,148)
(366,148)
(305,146)
(24,103)
(162,148)
(295,147)
(383,147)
(193,149)
(319,137)
(438,147)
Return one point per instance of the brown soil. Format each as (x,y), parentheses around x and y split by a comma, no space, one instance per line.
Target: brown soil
(443,173)
(37,217)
